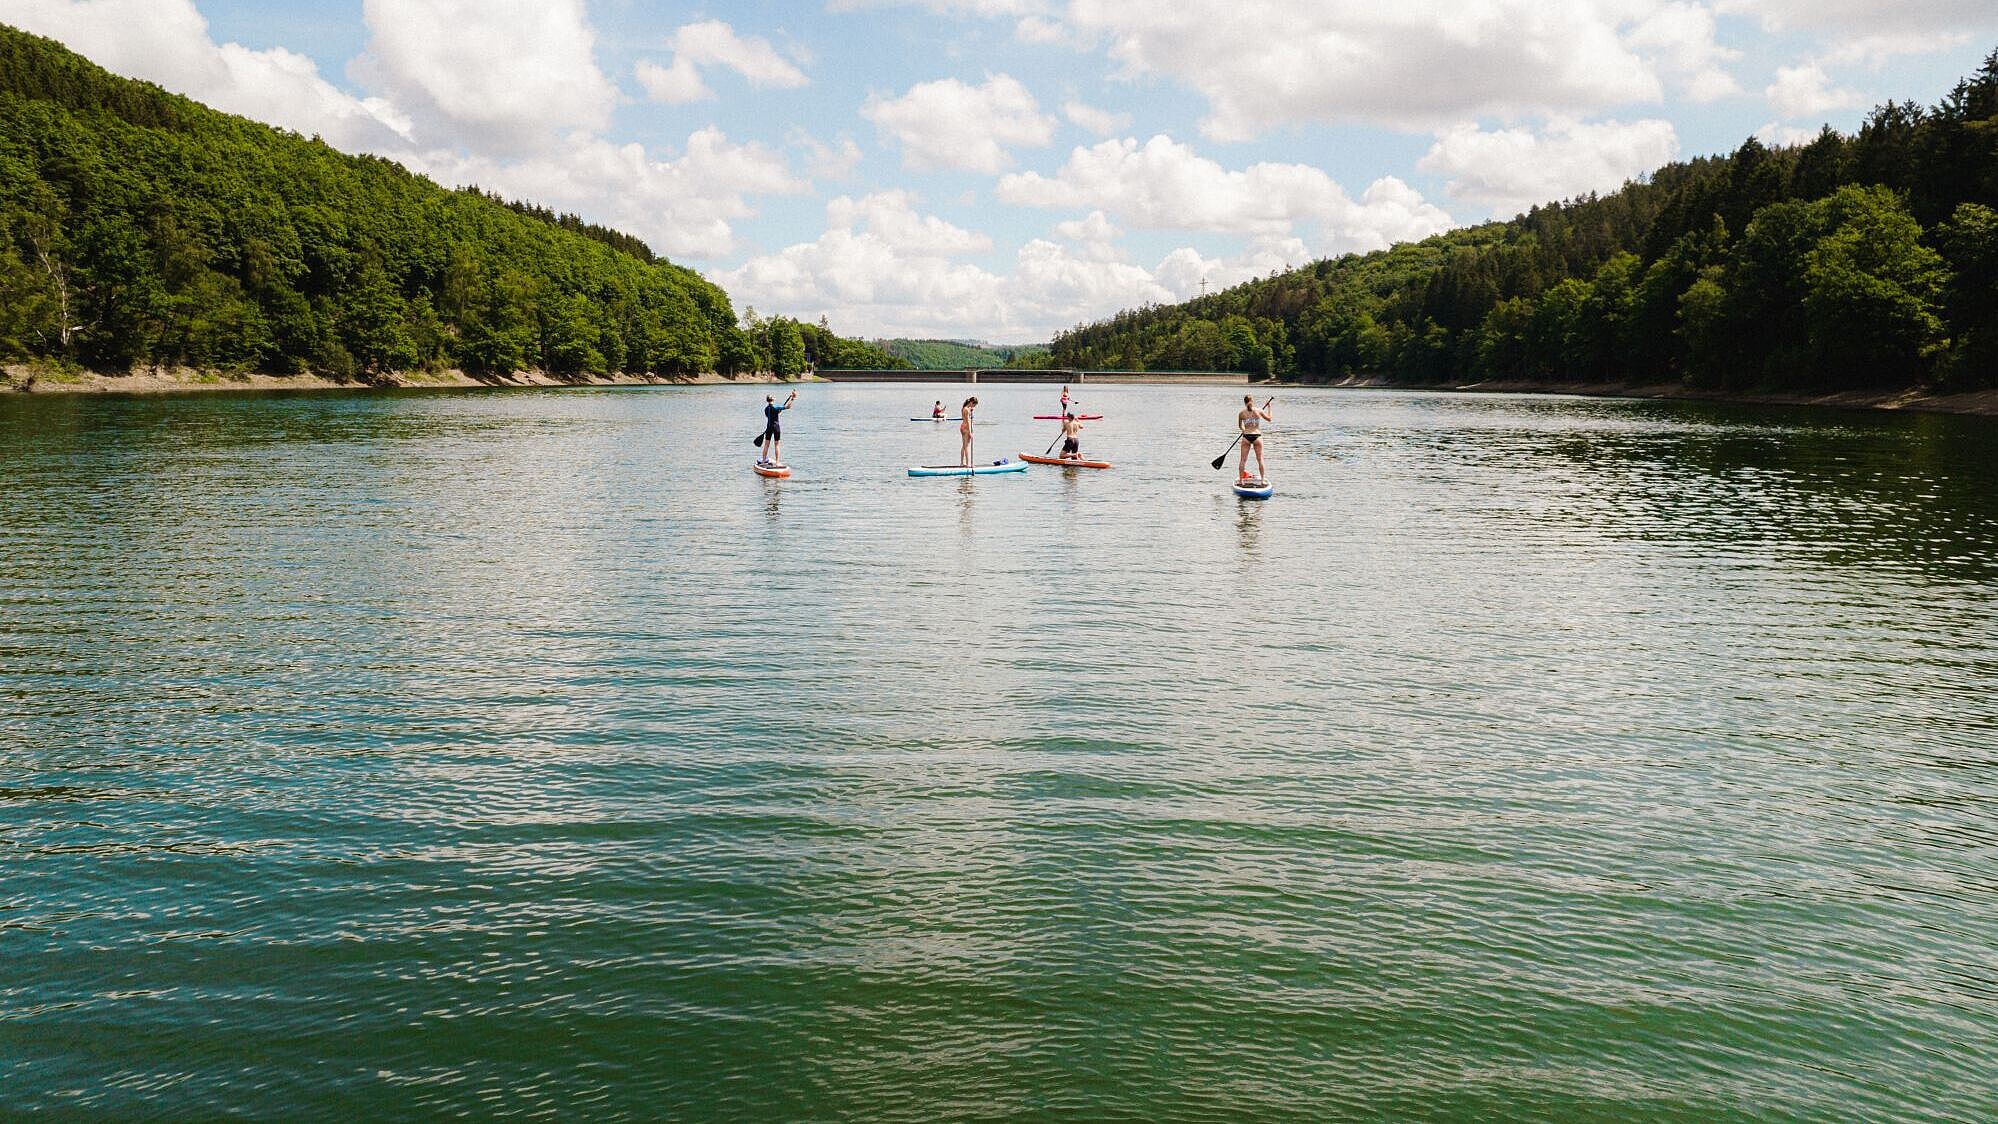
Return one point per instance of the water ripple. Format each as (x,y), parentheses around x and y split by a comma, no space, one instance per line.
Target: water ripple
(511,754)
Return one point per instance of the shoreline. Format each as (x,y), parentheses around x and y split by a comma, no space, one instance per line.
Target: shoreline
(24,379)
(1980,403)
(30,380)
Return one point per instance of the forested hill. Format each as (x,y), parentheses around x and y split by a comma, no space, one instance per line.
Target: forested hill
(1867,260)
(140,228)
(957,355)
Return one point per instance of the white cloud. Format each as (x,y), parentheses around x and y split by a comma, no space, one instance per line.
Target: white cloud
(1093,237)
(1164,185)
(1185,270)
(881,268)
(682,207)
(1680,38)
(714,43)
(677,84)
(1041,31)
(949,7)
(1806,91)
(1776,134)
(878,264)
(1875,50)
(1102,122)
(1413,64)
(503,74)
(1863,18)
(1510,170)
(167,42)
(948,124)
(835,161)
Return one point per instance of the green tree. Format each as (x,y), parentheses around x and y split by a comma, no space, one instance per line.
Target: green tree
(1969,245)
(1503,339)
(787,348)
(1872,290)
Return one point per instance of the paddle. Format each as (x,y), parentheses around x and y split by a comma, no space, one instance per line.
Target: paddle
(1218,461)
(1222,459)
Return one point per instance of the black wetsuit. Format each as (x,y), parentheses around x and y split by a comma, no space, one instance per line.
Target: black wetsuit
(771,430)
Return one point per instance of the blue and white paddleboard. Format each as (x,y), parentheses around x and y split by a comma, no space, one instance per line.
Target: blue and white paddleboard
(974,470)
(1254,489)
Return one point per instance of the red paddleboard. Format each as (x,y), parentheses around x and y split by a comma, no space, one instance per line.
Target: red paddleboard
(1065,463)
(774,471)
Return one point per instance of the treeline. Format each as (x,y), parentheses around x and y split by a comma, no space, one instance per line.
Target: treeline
(956,355)
(1865,260)
(141,228)
(796,346)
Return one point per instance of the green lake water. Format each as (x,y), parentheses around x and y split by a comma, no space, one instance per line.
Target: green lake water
(409,754)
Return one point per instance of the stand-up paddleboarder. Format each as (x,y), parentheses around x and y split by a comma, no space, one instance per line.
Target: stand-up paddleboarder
(964,432)
(1250,422)
(773,431)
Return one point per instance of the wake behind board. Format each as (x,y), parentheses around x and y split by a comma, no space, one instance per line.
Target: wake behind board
(1254,488)
(961,470)
(773,471)
(1068,463)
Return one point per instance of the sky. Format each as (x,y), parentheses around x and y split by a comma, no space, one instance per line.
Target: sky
(1003,169)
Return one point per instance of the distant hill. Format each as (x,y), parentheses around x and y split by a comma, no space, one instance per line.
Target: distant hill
(140,228)
(1864,260)
(956,355)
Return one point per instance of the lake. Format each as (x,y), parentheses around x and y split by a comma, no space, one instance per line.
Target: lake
(522,752)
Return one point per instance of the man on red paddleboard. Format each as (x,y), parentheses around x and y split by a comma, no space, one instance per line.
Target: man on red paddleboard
(1250,422)
(773,433)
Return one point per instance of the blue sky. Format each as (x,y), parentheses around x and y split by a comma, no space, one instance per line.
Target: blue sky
(1000,169)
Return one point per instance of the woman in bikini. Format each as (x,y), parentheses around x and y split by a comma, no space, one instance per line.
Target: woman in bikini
(1250,422)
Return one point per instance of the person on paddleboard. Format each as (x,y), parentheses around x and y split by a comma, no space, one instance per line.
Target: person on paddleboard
(936,411)
(1064,400)
(964,431)
(773,432)
(1071,437)
(1250,422)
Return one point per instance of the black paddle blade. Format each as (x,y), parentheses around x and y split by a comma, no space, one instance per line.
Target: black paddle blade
(1216,463)
(759,444)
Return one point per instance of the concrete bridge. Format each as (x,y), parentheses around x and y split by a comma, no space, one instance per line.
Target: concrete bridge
(1051,374)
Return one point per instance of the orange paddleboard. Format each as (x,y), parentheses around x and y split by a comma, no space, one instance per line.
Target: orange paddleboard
(776,471)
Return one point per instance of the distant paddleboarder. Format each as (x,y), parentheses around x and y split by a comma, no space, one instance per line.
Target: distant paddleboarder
(1250,422)
(937,411)
(964,432)
(1064,400)
(773,431)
